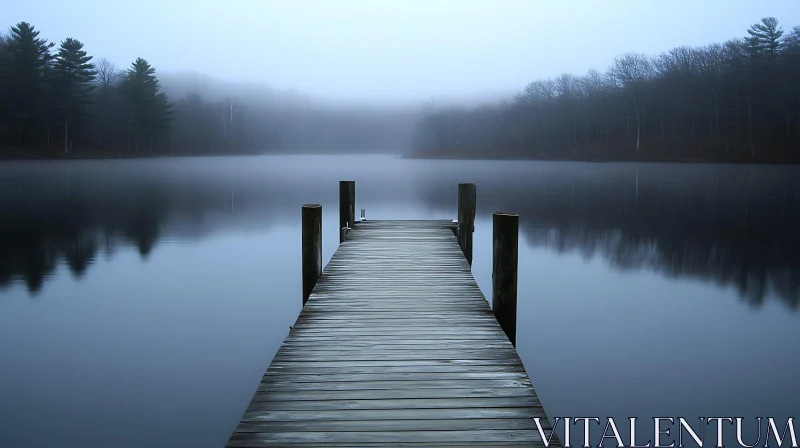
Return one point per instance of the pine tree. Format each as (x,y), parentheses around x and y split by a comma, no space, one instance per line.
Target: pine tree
(28,70)
(73,74)
(765,38)
(149,110)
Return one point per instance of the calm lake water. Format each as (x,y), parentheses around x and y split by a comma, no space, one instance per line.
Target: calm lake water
(142,300)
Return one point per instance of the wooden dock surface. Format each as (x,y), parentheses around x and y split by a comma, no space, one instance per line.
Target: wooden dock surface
(396,346)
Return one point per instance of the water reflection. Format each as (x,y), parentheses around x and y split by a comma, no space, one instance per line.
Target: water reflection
(732,225)
(188,277)
(39,231)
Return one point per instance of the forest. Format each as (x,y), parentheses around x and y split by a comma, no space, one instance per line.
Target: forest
(733,101)
(60,101)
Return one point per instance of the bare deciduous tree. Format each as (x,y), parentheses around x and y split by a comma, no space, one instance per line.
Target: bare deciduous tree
(632,72)
(714,102)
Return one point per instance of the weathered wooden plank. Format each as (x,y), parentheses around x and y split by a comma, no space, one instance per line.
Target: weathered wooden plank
(344,362)
(303,369)
(390,324)
(354,327)
(400,403)
(340,318)
(247,439)
(484,339)
(396,355)
(312,329)
(470,414)
(315,345)
(452,383)
(276,377)
(390,425)
(393,444)
(441,352)
(396,345)
(397,393)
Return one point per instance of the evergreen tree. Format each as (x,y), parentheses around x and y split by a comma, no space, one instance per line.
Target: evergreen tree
(149,110)
(765,38)
(28,71)
(73,74)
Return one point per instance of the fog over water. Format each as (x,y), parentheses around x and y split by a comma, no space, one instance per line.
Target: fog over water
(152,294)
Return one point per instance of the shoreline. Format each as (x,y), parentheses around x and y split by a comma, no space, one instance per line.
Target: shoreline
(31,154)
(478,157)
(16,157)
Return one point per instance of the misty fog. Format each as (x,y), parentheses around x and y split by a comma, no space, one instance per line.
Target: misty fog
(320,77)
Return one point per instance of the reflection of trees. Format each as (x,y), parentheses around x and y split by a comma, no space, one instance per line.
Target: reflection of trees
(52,216)
(744,268)
(80,254)
(733,225)
(34,237)
(726,225)
(141,223)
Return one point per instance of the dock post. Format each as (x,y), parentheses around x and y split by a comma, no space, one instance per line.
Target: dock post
(505,257)
(312,247)
(466,218)
(347,206)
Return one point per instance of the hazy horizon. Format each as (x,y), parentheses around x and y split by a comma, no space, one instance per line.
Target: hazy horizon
(387,53)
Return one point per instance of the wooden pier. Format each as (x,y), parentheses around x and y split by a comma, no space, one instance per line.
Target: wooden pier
(396,345)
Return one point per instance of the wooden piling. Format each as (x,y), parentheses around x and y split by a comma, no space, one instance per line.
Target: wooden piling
(312,247)
(347,205)
(505,257)
(466,218)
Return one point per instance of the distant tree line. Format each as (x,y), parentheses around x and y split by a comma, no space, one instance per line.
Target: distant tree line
(735,101)
(61,101)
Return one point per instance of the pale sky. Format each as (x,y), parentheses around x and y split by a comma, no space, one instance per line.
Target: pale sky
(394,50)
